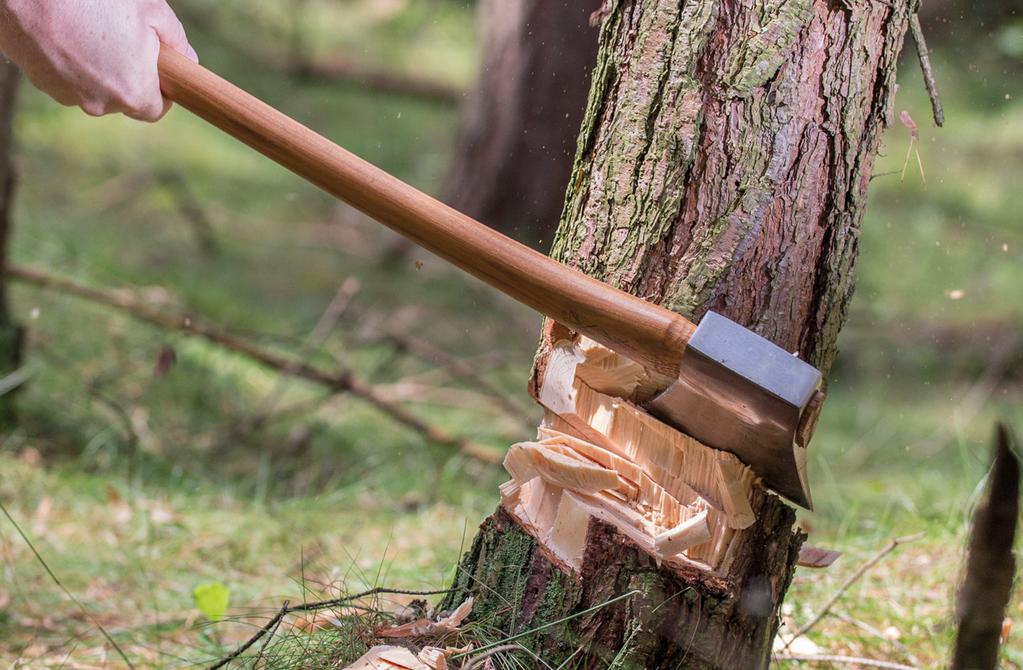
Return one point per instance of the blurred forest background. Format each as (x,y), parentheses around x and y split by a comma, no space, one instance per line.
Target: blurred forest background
(144,462)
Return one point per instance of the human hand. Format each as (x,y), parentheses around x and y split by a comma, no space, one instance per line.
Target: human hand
(100,55)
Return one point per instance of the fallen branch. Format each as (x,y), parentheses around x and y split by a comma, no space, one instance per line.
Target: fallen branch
(925,66)
(342,381)
(852,579)
(850,660)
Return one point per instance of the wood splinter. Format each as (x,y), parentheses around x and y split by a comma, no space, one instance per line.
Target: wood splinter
(599,456)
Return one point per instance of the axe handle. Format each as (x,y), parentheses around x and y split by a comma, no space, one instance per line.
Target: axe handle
(647,333)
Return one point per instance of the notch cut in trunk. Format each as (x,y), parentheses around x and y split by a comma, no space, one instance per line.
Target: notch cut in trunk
(598,455)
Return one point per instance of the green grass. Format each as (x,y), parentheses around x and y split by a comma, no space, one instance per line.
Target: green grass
(136,487)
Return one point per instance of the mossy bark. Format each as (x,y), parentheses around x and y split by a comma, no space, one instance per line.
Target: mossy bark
(723,164)
(10,330)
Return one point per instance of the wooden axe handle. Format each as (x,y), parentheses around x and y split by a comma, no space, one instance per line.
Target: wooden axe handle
(647,333)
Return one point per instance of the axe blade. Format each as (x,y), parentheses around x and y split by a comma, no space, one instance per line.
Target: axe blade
(741,393)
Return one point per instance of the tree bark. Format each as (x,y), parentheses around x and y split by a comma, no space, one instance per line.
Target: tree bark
(10,330)
(723,164)
(520,121)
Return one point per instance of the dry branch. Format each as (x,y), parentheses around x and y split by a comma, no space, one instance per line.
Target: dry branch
(342,381)
(925,66)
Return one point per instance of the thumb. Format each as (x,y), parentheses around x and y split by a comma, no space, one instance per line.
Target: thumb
(170,31)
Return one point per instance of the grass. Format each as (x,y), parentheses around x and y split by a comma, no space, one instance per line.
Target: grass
(136,488)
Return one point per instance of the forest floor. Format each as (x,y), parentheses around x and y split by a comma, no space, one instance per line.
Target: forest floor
(138,479)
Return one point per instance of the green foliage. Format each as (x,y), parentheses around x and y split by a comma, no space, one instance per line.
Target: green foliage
(211,599)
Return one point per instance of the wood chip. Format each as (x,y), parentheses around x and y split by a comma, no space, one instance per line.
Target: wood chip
(815,557)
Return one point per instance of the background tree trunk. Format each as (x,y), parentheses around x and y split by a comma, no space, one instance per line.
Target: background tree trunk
(520,121)
(10,331)
(723,164)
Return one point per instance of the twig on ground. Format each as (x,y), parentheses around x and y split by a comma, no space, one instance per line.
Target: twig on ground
(850,580)
(925,66)
(343,381)
(851,660)
(309,607)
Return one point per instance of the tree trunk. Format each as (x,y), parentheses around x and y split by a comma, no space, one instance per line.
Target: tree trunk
(723,164)
(520,122)
(10,331)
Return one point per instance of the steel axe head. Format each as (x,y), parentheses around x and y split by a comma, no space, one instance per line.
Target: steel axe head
(739,392)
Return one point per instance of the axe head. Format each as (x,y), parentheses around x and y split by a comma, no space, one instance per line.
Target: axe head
(739,392)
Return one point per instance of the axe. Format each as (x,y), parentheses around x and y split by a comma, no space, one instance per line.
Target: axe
(734,390)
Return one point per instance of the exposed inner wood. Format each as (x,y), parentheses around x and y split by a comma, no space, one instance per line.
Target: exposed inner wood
(598,455)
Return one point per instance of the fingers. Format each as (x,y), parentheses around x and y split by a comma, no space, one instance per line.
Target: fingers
(143,100)
(117,73)
(171,32)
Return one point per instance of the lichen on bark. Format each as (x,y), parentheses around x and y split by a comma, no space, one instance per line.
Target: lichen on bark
(762,48)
